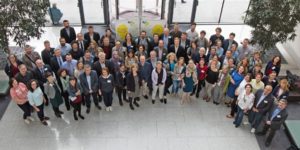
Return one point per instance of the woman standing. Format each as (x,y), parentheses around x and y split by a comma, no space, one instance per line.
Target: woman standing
(202,70)
(282,90)
(169,64)
(238,91)
(129,42)
(133,83)
(11,68)
(106,88)
(193,52)
(245,103)
(211,80)
(141,51)
(121,84)
(95,50)
(75,97)
(177,75)
(273,65)
(79,69)
(18,93)
(219,89)
(130,59)
(235,79)
(159,77)
(64,83)
(36,100)
(53,92)
(189,80)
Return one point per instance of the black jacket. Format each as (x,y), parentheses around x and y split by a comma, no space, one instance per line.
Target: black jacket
(130,82)
(8,68)
(266,103)
(181,52)
(96,37)
(97,67)
(279,119)
(54,64)
(84,83)
(120,80)
(226,44)
(64,34)
(47,55)
(187,44)
(40,76)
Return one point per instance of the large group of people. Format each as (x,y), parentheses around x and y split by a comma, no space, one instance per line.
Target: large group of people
(89,67)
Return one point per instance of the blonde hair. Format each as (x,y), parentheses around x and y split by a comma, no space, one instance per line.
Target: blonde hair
(171,54)
(287,85)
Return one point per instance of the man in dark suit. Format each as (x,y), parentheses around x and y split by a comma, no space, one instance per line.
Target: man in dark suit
(262,104)
(213,38)
(82,43)
(68,32)
(145,69)
(89,84)
(184,42)
(47,53)
(39,73)
(102,62)
(56,61)
(277,116)
(167,38)
(92,35)
(228,42)
(161,51)
(178,50)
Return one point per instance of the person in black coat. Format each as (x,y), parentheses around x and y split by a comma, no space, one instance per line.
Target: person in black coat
(262,104)
(47,53)
(282,90)
(82,43)
(277,115)
(133,84)
(92,33)
(167,38)
(184,42)
(24,75)
(56,61)
(76,52)
(121,84)
(102,62)
(68,32)
(178,50)
(228,42)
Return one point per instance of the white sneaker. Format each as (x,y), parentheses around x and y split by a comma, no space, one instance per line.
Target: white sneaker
(26,121)
(110,108)
(245,122)
(252,130)
(30,118)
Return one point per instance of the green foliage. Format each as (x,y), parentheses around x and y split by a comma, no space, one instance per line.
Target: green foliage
(273,21)
(21,20)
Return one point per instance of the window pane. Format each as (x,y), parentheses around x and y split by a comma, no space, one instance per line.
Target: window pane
(234,10)
(208,11)
(182,11)
(93,11)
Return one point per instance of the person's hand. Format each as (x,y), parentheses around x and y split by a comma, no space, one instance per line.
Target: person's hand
(44,100)
(232,81)
(245,110)
(129,92)
(100,93)
(268,122)
(37,110)
(91,91)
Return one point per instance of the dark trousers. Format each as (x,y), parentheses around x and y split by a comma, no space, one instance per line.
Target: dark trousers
(66,99)
(255,118)
(168,84)
(199,86)
(233,106)
(26,109)
(271,133)
(88,99)
(56,110)
(41,112)
(121,92)
(45,95)
(77,108)
(107,98)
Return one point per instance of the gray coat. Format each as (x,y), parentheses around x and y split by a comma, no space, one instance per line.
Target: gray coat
(50,90)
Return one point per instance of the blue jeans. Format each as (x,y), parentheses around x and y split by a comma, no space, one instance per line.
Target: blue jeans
(175,87)
(239,116)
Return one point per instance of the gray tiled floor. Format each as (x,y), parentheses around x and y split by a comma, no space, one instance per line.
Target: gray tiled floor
(195,126)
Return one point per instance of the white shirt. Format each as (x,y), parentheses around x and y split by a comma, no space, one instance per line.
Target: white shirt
(246,101)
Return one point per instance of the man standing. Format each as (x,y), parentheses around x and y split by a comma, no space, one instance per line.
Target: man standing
(262,103)
(89,84)
(92,35)
(82,43)
(192,34)
(56,61)
(68,32)
(184,42)
(277,116)
(245,50)
(23,76)
(70,64)
(161,51)
(213,39)
(178,50)
(30,57)
(145,69)
(47,53)
(228,42)
(144,40)
(64,47)
(166,38)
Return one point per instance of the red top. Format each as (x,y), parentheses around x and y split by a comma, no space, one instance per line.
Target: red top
(202,72)
(14,70)
(19,94)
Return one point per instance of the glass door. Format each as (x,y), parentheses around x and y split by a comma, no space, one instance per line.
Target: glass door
(93,11)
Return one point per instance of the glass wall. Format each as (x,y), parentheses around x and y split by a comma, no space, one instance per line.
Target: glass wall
(234,11)
(208,11)
(93,11)
(182,11)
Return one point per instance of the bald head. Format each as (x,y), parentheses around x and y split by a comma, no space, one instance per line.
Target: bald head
(268,89)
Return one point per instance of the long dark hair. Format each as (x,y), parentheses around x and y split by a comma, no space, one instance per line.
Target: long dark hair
(73,78)
(29,85)
(11,81)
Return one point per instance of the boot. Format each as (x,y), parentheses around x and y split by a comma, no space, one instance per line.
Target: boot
(153,101)
(165,100)
(75,115)
(80,116)
(135,102)
(161,100)
(120,102)
(130,103)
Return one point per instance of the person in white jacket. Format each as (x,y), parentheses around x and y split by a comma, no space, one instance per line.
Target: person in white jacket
(159,76)
(245,102)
